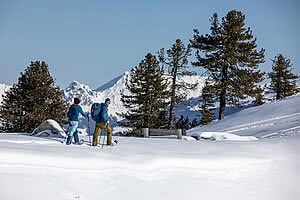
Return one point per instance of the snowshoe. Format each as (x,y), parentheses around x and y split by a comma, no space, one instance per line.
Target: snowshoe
(80,142)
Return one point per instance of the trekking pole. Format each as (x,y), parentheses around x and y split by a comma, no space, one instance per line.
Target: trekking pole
(89,128)
(103,141)
(105,135)
(100,137)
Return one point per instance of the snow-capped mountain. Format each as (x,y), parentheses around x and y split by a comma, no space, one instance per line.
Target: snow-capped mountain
(113,90)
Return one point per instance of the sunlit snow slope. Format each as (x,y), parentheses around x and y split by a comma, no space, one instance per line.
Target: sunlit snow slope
(279,118)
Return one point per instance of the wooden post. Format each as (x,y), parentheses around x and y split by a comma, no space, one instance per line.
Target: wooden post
(145,132)
(179,133)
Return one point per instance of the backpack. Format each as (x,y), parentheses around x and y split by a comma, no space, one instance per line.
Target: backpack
(95,111)
(71,111)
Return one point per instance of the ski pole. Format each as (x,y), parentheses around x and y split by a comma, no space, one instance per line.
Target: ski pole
(100,137)
(89,129)
(103,141)
(105,135)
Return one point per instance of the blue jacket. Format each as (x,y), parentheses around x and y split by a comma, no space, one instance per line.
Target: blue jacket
(103,113)
(74,111)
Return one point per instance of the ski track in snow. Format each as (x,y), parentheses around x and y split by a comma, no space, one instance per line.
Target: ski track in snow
(286,132)
(266,123)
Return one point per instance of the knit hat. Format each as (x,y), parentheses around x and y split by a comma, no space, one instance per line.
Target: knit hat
(76,101)
(107,101)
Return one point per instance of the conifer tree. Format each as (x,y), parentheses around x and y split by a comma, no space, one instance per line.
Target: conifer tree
(183,123)
(180,123)
(283,81)
(32,100)
(230,57)
(194,123)
(177,64)
(259,98)
(148,95)
(207,103)
(186,123)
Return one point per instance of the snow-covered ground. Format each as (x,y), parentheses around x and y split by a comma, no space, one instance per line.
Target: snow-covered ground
(281,118)
(267,168)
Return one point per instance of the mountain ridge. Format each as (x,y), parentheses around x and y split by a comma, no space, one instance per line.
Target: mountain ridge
(114,88)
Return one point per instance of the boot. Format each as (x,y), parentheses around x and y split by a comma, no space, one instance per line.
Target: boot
(109,138)
(69,140)
(76,138)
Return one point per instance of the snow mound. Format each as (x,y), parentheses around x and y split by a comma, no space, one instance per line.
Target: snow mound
(49,128)
(223,136)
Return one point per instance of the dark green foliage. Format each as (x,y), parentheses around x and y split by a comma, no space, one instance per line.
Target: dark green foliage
(183,123)
(163,119)
(194,123)
(283,81)
(32,100)
(147,99)
(207,103)
(176,63)
(259,98)
(230,57)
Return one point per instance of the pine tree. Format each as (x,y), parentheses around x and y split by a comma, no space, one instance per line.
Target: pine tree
(176,62)
(183,123)
(186,124)
(180,122)
(32,100)
(147,99)
(207,103)
(283,81)
(259,98)
(194,123)
(229,55)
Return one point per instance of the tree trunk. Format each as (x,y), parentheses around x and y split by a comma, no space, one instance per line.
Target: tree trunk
(172,104)
(223,92)
(222,104)
(172,113)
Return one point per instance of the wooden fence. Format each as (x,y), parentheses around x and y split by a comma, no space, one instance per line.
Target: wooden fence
(147,132)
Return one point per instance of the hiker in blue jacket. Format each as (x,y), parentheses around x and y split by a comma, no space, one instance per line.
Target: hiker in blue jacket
(73,115)
(103,124)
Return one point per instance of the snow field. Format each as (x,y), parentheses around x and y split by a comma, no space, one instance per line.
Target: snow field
(148,168)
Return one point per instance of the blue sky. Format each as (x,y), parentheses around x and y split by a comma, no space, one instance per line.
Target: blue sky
(95,41)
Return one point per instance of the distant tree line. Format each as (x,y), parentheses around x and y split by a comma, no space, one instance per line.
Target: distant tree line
(228,54)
